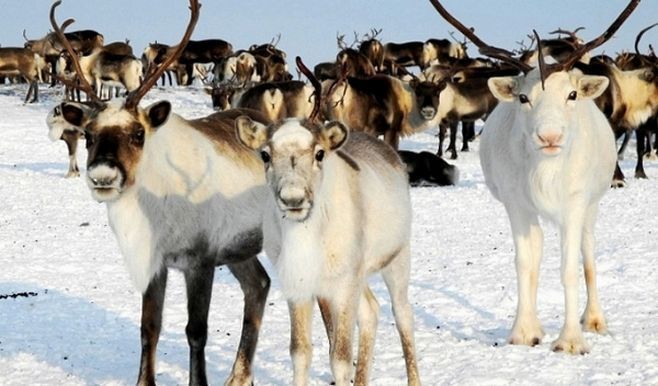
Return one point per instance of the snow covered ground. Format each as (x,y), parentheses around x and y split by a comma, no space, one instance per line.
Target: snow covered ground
(79,324)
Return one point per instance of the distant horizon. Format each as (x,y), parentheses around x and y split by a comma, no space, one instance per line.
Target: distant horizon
(309,28)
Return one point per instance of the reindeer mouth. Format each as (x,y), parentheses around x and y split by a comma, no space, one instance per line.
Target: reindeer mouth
(105,182)
(551,149)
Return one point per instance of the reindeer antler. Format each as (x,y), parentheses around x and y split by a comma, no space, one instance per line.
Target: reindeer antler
(316,86)
(506,56)
(571,34)
(153,74)
(639,37)
(484,48)
(84,85)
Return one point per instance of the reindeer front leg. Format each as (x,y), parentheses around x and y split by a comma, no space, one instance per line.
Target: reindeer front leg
(255,284)
(344,305)
(528,239)
(71,139)
(152,302)
(301,351)
(571,337)
(198,282)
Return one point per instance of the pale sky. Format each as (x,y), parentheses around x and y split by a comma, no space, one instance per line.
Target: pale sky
(308,27)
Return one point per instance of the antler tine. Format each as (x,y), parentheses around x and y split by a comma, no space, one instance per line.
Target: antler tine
(340,41)
(604,37)
(25,35)
(152,76)
(639,37)
(316,85)
(484,48)
(572,34)
(543,71)
(84,85)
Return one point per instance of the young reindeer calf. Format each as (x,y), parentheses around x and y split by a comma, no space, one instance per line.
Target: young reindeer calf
(339,211)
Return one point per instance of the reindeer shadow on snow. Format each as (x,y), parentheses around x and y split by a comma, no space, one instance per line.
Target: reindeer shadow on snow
(89,342)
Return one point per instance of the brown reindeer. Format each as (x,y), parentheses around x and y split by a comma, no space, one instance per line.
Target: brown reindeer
(23,62)
(181,194)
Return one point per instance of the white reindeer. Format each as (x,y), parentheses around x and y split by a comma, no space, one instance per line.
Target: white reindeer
(340,211)
(548,151)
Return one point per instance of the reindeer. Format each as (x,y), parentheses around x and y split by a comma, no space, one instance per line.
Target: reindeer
(59,128)
(373,49)
(547,150)
(49,47)
(427,169)
(324,231)
(279,100)
(382,105)
(22,61)
(181,194)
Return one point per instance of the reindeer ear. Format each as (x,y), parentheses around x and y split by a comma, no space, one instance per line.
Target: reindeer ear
(158,113)
(590,86)
(334,134)
(503,88)
(252,134)
(74,113)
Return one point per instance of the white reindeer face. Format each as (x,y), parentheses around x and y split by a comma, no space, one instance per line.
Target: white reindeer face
(293,153)
(115,140)
(546,114)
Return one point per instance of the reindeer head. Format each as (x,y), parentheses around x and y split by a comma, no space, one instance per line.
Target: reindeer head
(427,96)
(294,153)
(117,131)
(547,95)
(547,111)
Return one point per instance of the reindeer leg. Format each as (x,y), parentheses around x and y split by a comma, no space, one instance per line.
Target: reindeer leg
(35,85)
(641,136)
(152,303)
(592,319)
(396,277)
(528,240)
(618,177)
(255,285)
(468,133)
(71,140)
(301,349)
(198,282)
(327,319)
(442,137)
(453,140)
(367,320)
(571,337)
(344,305)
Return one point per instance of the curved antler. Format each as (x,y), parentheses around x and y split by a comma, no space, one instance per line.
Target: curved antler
(153,74)
(84,85)
(592,44)
(316,85)
(639,37)
(484,48)
(571,34)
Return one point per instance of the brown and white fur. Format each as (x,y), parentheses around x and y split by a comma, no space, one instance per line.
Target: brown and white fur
(181,194)
(59,128)
(338,211)
(382,105)
(22,62)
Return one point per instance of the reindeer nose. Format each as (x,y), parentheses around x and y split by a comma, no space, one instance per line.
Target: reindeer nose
(550,139)
(104,181)
(292,197)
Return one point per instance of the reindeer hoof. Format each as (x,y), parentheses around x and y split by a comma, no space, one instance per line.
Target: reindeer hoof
(527,336)
(618,184)
(594,323)
(574,346)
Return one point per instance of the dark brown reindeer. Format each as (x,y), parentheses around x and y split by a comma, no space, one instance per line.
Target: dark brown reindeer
(373,49)
(50,46)
(180,194)
(382,105)
(15,61)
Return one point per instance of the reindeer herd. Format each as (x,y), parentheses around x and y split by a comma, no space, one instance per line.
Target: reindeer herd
(296,169)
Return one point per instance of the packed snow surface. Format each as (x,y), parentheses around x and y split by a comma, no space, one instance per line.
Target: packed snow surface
(74,318)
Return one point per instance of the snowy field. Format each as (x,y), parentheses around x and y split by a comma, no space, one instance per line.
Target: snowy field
(79,321)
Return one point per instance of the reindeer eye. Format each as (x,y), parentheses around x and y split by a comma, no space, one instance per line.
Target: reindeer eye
(523,98)
(138,137)
(319,156)
(572,96)
(265,156)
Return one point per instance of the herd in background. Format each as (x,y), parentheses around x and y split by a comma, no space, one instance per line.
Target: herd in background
(382,88)
(311,195)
